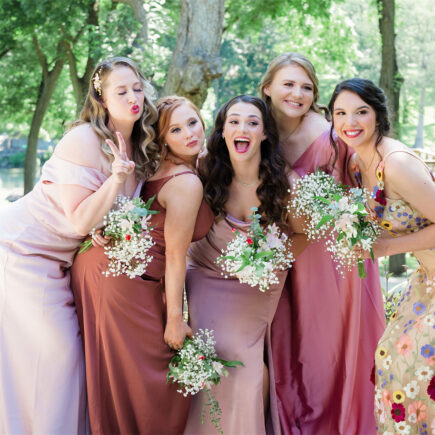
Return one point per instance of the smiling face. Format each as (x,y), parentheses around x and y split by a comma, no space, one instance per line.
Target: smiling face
(291,92)
(243,131)
(185,133)
(123,95)
(354,120)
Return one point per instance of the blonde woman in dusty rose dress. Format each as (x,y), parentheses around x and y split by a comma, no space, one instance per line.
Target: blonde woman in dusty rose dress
(242,169)
(42,373)
(321,315)
(403,200)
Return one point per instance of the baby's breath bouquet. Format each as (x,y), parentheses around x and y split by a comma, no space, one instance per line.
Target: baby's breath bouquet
(128,226)
(256,257)
(196,368)
(339,214)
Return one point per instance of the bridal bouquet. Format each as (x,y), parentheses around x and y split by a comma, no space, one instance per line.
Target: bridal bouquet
(340,215)
(196,367)
(129,229)
(255,258)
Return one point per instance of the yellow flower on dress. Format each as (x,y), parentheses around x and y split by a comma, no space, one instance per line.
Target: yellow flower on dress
(398,396)
(381,352)
(387,225)
(394,316)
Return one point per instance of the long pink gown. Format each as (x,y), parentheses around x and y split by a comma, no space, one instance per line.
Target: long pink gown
(42,372)
(325,332)
(240,316)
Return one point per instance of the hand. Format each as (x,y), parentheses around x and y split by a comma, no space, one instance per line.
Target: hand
(380,248)
(122,167)
(175,332)
(98,239)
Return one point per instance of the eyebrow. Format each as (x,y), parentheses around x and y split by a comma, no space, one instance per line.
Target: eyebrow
(124,86)
(293,81)
(358,108)
(238,114)
(177,123)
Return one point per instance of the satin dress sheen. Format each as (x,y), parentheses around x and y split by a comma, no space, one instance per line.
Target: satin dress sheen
(122,322)
(42,373)
(326,330)
(240,316)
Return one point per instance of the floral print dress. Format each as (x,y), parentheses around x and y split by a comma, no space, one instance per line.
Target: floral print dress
(405,356)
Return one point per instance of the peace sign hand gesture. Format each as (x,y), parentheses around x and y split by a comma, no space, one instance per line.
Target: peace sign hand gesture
(121,165)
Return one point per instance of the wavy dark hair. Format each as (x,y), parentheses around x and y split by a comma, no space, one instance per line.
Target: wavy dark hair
(370,94)
(217,172)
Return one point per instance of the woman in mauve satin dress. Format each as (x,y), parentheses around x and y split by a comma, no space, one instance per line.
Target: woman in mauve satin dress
(326,328)
(131,326)
(243,168)
(42,373)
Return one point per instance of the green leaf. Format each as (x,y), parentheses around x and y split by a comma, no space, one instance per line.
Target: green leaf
(85,246)
(324,220)
(361,270)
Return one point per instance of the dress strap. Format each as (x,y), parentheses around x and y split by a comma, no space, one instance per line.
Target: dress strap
(381,165)
(170,177)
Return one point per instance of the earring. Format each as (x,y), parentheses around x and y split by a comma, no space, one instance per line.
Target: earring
(166,144)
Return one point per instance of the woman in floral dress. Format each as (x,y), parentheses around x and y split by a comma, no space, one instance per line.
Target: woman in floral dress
(403,200)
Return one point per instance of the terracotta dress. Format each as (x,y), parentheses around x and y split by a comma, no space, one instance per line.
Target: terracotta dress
(42,373)
(405,357)
(122,322)
(325,332)
(240,316)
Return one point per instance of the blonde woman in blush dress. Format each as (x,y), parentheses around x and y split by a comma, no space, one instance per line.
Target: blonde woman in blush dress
(131,327)
(321,315)
(403,201)
(42,373)
(243,168)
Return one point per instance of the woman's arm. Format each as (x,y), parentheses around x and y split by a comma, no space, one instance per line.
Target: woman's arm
(406,177)
(84,207)
(182,198)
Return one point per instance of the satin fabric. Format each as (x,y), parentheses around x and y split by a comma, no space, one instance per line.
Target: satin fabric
(325,331)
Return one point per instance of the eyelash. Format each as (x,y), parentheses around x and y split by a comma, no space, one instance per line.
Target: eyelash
(135,90)
(234,122)
(307,88)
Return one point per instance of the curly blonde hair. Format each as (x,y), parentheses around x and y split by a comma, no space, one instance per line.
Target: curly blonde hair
(146,152)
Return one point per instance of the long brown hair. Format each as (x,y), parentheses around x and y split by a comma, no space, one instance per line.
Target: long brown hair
(146,152)
(217,172)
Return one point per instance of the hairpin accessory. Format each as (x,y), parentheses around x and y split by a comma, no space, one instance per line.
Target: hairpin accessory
(97,81)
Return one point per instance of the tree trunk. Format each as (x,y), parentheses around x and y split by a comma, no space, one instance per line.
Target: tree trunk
(46,88)
(390,81)
(396,264)
(81,84)
(420,126)
(140,16)
(196,59)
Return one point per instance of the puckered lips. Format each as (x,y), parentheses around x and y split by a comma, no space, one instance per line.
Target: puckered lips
(192,143)
(352,133)
(134,109)
(241,144)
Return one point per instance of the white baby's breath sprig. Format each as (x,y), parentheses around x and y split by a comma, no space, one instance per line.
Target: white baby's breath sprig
(256,257)
(339,214)
(196,367)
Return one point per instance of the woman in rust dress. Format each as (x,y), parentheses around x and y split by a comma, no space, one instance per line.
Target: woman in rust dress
(130,325)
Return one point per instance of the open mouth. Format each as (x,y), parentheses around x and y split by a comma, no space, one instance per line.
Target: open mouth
(294,104)
(134,109)
(241,144)
(352,133)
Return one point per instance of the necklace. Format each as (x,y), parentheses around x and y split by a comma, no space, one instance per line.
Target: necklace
(246,184)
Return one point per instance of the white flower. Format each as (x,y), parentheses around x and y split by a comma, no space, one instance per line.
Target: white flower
(129,206)
(403,428)
(429,320)
(424,373)
(412,418)
(378,393)
(412,389)
(387,362)
(126,225)
(346,223)
(219,367)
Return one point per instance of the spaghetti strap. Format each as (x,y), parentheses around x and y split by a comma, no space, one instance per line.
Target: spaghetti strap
(411,154)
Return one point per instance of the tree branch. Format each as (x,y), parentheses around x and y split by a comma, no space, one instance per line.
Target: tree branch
(40,54)
(139,15)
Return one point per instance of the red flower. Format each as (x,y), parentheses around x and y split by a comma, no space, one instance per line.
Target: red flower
(380,197)
(201,357)
(127,237)
(431,388)
(249,241)
(398,412)
(233,230)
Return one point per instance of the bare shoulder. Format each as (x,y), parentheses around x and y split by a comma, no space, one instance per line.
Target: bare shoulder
(80,145)
(315,124)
